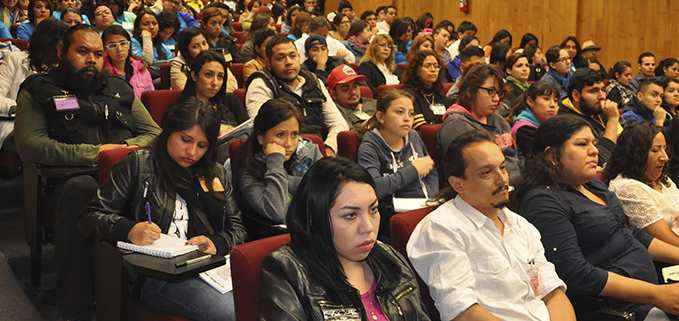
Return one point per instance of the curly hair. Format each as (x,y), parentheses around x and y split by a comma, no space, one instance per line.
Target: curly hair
(547,149)
(629,156)
(411,74)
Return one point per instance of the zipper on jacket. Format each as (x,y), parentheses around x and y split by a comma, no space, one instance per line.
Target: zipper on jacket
(406,291)
(380,304)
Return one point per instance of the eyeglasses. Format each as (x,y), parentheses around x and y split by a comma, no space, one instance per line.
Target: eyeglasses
(564,60)
(114,45)
(492,92)
(102,12)
(431,66)
(409,31)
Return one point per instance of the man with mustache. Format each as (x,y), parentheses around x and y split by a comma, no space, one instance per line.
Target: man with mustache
(587,99)
(480,260)
(344,89)
(66,118)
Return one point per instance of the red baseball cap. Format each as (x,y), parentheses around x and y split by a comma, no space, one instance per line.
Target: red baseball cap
(343,74)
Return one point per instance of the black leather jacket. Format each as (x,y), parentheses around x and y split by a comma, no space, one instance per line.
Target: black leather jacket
(292,289)
(119,205)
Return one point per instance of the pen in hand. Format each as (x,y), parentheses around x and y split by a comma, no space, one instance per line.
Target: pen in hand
(148,212)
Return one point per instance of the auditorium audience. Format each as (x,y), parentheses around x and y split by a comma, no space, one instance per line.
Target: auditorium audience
(248,15)
(290,19)
(390,14)
(192,41)
(646,70)
(63,5)
(465,28)
(537,62)
(646,104)
(455,66)
(340,26)
(559,72)
(528,39)
(261,20)
(212,21)
(378,64)
(668,68)
(469,56)
(583,227)
(358,38)
(618,87)
(11,13)
(425,21)
(343,84)
(401,32)
(120,61)
(670,96)
(320,26)
(38,10)
(517,70)
(147,43)
(260,40)
(638,174)
(318,61)
(70,16)
(422,80)
(299,26)
(441,38)
(572,46)
(502,36)
(334,264)
(534,106)
(419,43)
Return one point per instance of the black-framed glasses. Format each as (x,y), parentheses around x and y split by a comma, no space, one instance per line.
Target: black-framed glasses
(564,60)
(492,92)
(114,45)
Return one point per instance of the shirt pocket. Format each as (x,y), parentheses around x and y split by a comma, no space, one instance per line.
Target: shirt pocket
(493,277)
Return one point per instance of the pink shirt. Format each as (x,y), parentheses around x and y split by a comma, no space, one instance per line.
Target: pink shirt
(371,304)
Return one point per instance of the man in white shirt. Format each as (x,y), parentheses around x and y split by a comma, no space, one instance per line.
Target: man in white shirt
(321,26)
(480,260)
(283,79)
(465,28)
(390,15)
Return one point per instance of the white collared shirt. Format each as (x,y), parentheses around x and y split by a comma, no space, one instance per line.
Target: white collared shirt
(464,260)
(334,46)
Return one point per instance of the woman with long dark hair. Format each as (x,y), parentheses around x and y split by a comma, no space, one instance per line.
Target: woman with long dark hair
(422,79)
(11,13)
(290,17)
(572,46)
(358,38)
(147,42)
(120,61)
(502,36)
(272,161)
(668,68)
(425,21)
(192,41)
(401,32)
(334,263)
(618,89)
(189,197)
(670,99)
(584,228)
(533,107)
(38,10)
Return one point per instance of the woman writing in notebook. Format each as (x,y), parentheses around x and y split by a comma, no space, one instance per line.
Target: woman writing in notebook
(394,154)
(189,197)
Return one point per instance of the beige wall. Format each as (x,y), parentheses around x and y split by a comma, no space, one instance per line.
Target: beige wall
(622,28)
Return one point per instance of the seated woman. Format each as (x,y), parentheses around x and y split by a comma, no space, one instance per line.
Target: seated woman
(670,96)
(533,107)
(498,54)
(40,57)
(120,61)
(637,173)
(482,89)
(38,10)
(517,70)
(340,26)
(212,22)
(668,68)
(421,42)
(584,230)
(300,26)
(502,36)
(261,38)
(169,25)
(559,69)
(192,41)
(208,83)
(454,69)
(425,21)
(618,89)
(290,17)
(358,38)
(11,13)
(537,62)
(423,80)
(334,264)
(71,17)
(401,32)
(248,15)
(63,5)
(120,15)
(273,160)
(395,155)
(189,197)
(147,42)
(378,64)
(572,47)
(262,20)
(528,39)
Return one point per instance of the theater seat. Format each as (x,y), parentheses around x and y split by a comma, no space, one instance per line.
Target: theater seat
(158,101)
(402,226)
(237,71)
(240,36)
(366,92)
(240,93)
(165,78)
(108,158)
(20,43)
(347,145)
(245,265)
(237,26)
(383,88)
(429,133)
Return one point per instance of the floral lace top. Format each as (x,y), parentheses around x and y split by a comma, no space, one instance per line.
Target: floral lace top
(644,205)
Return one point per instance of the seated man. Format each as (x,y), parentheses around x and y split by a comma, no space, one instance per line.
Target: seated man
(587,99)
(646,104)
(318,60)
(465,28)
(284,79)
(480,260)
(646,70)
(344,89)
(185,19)
(469,57)
(321,26)
(66,118)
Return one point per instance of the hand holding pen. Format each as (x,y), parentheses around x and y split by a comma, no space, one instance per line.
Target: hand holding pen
(144,233)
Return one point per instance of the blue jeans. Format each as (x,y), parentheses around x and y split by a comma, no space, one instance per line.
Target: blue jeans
(192,298)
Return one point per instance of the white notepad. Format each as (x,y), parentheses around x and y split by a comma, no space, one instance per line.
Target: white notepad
(166,247)
(219,277)
(408,204)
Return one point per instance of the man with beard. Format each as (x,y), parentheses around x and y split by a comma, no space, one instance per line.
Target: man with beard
(283,79)
(587,99)
(66,118)
(480,260)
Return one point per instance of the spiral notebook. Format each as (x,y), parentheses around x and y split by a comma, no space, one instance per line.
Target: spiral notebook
(166,247)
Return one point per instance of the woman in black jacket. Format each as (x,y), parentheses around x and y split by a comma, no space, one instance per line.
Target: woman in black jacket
(334,264)
(423,81)
(378,64)
(187,194)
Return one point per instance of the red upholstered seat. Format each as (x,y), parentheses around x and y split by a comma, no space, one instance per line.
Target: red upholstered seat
(237,70)
(245,262)
(237,26)
(402,226)
(447,87)
(13,29)
(108,158)
(347,145)
(158,101)
(20,43)
(383,88)
(354,66)
(429,133)
(366,92)
(240,36)
(402,67)
(240,93)
(165,81)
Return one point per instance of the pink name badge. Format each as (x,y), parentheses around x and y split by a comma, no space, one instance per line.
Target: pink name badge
(63,103)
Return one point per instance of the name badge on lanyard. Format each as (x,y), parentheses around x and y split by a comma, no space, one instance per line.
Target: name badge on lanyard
(66,102)
(438,109)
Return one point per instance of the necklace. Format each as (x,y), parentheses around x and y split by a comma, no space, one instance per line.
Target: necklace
(372,309)
(427,99)
(371,294)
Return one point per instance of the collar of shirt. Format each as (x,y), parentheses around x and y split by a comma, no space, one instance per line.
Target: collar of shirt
(506,216)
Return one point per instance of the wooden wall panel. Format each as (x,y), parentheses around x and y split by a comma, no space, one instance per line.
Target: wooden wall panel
(623,29)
